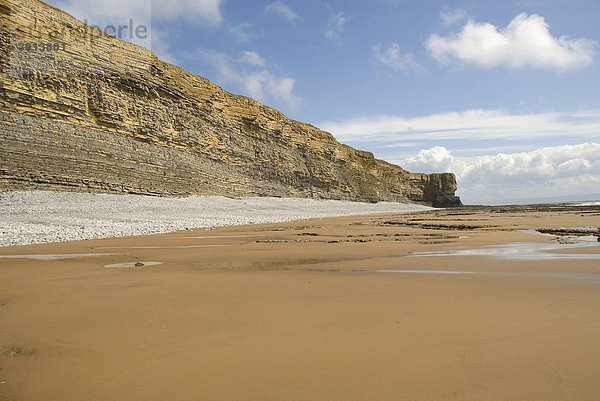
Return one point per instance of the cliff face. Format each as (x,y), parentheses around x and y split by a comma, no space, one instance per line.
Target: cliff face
(95,113)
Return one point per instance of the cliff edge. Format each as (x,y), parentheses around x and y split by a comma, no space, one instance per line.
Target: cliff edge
(86,111)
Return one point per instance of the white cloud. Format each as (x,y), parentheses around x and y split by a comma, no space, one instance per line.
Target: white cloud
(546,172)
(335,27)
(252,58)
(434,160)
(283,10)
(393,57)
(470,124)
(257,83)
(525,42)
(283,89)
(452,16)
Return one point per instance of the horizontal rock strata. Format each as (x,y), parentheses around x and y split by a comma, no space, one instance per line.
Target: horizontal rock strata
(90,112)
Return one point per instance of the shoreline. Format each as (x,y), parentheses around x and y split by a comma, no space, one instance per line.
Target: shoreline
(36,217)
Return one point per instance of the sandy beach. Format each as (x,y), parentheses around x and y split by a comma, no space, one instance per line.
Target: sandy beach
(455,304)
(211,200)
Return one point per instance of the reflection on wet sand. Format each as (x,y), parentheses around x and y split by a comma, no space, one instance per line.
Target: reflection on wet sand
(272,265)
(578,277)
(57,256)
(133,264)
(516,250)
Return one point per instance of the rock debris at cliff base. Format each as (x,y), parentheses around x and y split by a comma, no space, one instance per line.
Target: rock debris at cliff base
(28,217)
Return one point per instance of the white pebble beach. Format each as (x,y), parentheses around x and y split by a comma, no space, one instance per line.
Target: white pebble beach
(30,217)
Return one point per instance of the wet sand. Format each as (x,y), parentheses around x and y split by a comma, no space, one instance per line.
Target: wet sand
(310,310)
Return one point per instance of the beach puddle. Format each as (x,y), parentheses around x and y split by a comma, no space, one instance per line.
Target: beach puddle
(133,264)
(526,250)
(267,265)
(426,271)
(575,277)
(57,256)
(534,232)
(569,235)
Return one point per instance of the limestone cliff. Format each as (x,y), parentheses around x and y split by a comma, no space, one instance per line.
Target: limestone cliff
(89,112)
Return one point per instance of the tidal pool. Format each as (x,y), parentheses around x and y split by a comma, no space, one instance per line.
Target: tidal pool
(134,264)
(52,256)
(525,250)
(576,277)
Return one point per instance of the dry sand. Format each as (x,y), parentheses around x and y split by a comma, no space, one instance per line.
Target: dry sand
(299,311)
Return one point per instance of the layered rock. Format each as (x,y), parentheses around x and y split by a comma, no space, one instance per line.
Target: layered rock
(94,113)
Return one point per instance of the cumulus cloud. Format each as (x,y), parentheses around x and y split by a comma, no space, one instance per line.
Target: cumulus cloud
(546,172)
(283,10)
(251,75)
(470,124)
(434,160)
(335,27)
(525,42)
(497,172)
(393,58)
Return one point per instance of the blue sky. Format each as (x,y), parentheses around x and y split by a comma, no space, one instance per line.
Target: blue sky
(503,93)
